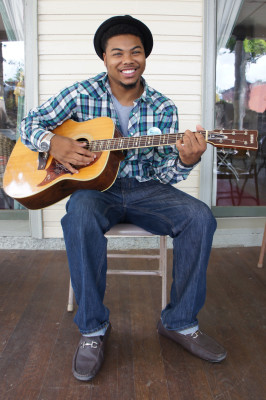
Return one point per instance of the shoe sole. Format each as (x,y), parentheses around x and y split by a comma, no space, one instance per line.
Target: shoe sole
(83,378)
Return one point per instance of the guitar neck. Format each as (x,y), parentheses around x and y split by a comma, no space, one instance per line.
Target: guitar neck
(126,143)
(218,138)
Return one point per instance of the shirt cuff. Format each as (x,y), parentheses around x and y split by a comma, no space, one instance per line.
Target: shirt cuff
(40,138)
(179,161)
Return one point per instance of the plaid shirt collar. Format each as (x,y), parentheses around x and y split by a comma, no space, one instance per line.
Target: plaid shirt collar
(100,86)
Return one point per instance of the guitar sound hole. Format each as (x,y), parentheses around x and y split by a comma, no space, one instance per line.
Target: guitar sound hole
(84,140)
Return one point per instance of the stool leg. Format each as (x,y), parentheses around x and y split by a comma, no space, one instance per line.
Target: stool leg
(163,268)
(262,250)
(70,305)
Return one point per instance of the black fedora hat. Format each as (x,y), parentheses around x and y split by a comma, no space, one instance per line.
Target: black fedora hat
(127,20)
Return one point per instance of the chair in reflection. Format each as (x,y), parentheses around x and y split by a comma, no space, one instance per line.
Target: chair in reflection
(238,169)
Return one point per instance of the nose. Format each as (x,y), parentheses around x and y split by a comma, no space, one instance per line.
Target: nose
(127,58)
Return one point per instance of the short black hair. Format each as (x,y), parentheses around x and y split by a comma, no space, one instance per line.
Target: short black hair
(120,29)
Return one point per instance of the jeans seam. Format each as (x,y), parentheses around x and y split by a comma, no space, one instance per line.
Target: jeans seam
(100,267)
(155,215)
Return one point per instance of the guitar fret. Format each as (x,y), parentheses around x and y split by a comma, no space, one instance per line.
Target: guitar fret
(128,142)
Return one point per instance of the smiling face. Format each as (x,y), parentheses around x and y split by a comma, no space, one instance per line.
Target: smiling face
(125,61)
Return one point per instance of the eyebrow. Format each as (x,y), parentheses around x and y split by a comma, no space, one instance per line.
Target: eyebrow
(118,49)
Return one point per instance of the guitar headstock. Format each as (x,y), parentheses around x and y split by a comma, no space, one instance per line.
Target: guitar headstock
(233,139)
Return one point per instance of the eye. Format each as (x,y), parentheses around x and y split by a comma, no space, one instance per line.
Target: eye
(117,54)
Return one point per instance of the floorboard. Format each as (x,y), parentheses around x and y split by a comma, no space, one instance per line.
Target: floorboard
(38,336)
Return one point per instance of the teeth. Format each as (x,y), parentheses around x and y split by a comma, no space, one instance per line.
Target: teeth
(128,71)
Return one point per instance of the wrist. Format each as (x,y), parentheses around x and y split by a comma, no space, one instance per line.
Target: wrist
(46,142)
(188,165)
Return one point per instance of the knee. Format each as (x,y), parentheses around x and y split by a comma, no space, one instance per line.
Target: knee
(199,215)
(80,203)
(84,212)
(205,217)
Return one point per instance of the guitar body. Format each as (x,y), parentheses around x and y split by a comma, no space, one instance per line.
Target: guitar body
(38,188)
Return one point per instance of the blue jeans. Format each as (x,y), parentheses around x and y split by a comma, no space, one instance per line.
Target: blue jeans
(156,207)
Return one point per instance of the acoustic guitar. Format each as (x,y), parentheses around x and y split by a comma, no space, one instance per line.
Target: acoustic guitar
(38,182)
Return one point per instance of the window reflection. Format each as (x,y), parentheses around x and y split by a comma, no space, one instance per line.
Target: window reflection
(11,107)
(241,104)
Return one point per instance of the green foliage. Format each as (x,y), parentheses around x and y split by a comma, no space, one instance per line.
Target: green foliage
(231,44)
(254,48)
(20,71)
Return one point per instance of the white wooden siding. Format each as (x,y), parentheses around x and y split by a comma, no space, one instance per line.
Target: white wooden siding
(66,55)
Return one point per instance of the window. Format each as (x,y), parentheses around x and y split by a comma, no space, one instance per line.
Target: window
(239,178)
(11,92)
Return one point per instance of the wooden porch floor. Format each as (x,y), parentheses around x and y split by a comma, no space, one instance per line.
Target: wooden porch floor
(38,336)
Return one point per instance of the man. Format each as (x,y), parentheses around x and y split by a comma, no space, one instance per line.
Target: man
(142,193)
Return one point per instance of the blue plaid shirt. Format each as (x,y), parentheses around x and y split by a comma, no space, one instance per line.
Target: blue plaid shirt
(92,98)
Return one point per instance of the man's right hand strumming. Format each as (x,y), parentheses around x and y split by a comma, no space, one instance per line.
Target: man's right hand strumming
(70,153)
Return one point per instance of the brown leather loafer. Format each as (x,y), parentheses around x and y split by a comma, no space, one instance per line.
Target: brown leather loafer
(89,356)
(197,343)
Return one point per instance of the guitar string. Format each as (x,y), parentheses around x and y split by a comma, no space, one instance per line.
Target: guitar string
(103,145)
(145,141)
(157,140)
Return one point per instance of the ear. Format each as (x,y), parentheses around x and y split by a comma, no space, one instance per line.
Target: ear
(104,58)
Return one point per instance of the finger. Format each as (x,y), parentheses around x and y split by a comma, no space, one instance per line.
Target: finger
(201,137)
(84,160)
(189,139)
(201,140)
(84,152)
(82,144)
(180,145)
(195,139)
(71,168)
(70,145)
(199,128)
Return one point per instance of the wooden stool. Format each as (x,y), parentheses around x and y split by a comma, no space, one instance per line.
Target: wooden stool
(130,230)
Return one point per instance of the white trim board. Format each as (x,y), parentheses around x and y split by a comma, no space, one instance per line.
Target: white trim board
(231,232)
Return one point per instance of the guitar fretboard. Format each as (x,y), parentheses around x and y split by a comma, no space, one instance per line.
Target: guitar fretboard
(220,138)
(125,143)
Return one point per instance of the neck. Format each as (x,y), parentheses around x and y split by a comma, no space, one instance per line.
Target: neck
(126,95)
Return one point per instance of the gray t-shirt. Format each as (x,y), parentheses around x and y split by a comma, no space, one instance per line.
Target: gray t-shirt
(123,113)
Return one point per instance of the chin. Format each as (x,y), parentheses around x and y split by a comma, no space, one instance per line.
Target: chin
(129,85)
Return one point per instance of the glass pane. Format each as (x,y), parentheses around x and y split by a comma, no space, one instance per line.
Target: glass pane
(240,178)
(11,107)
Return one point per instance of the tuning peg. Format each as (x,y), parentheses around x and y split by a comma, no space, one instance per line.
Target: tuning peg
(247,153)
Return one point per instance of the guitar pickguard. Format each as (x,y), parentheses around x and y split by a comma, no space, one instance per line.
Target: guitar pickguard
(57,170)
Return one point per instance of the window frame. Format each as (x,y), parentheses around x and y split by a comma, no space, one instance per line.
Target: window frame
(208,96)
(32,87)
(251,226)
(35,229)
